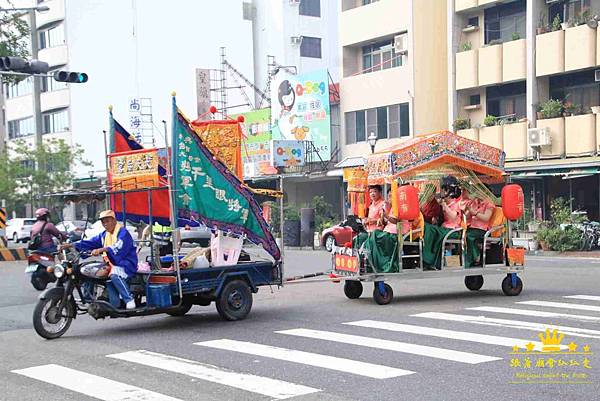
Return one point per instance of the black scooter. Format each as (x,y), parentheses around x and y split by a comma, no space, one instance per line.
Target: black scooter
(37,265)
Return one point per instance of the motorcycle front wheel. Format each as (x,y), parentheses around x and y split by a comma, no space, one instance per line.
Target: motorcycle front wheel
(48,321)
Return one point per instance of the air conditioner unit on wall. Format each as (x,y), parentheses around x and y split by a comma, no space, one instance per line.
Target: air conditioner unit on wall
(539,137)
(401,44)
(296,40)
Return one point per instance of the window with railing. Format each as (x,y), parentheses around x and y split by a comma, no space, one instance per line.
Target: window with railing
(579,90)
(54,36)
(20,128)
(380,56)
(385,121)
(310,8)
(22,88)
(507,101)
(505,22)
(54,122)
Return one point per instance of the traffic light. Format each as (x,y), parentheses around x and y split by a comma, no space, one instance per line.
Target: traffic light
(69,76)
(18,64)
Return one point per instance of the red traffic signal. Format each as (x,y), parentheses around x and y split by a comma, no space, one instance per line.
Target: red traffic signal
(72,77)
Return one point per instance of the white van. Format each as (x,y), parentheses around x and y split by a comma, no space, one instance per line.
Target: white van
(19,229)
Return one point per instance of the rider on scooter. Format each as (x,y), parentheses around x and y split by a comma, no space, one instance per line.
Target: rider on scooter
(118,246)
(44,227)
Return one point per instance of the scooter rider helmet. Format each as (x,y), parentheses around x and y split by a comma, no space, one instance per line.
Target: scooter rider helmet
(41,212)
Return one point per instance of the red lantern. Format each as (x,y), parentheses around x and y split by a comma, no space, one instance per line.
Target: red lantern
(513,201)
(408,202)
(212,109)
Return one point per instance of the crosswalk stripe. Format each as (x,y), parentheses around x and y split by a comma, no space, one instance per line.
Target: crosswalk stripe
(584,297)
(423,350)
(563,305)
(515,324)
(90,385)
(256,384)
(308,358)
(451,334)
(536,313)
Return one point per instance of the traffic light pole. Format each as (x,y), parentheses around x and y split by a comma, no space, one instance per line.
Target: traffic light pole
(37,108)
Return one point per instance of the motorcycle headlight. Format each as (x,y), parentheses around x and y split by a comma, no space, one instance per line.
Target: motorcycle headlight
(59,271)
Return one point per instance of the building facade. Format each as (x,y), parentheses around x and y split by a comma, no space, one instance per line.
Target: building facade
(393,72)
(523,76)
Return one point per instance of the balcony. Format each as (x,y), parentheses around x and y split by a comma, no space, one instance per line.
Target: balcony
(55,13)
(580,48)
(514,60)
(55,56)
(462,5)
(57,99)
(470,133)
(466,69)
(580,135)
(391,17)
(492,136)
(515,141)
(377,88)
(490,65)
(549,54)
(19,107)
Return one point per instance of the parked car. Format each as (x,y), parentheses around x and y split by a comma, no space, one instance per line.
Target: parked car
(73,229)
(19,229)
(97,228)
(341,233)
(199,235)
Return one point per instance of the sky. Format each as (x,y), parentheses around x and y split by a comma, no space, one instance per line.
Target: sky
(174,37)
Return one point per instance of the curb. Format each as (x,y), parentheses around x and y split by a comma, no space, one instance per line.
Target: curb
(12,255)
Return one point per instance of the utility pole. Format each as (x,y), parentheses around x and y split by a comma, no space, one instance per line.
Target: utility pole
(37,109)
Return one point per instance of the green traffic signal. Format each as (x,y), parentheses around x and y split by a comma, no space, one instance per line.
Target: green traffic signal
(71,77)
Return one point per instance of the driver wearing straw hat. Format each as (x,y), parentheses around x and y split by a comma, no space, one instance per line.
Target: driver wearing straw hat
(117,245)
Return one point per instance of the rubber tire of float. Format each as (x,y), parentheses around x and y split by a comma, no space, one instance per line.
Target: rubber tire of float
(380,298)
(183,309)
(353,289)
(474,283)
(235,300)
(508,289)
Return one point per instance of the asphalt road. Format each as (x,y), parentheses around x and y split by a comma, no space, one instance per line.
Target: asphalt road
(428,344)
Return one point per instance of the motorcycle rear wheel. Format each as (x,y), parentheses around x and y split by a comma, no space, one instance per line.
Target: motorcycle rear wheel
(46,320)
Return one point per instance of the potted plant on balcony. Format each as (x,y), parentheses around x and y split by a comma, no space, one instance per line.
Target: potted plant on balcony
(572,109)
(490,121)
(595,109)
(556,23)
(516,36)
(461,123)
(551,108)
(464,47)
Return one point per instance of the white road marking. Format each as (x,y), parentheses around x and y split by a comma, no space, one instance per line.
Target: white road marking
(451,334)
(515,324)
(256,384)
(308,358)
(584,297)
(536,313)
(432,352)
(563,305)
(90,385)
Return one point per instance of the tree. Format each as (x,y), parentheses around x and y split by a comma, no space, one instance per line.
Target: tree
(21,182)
(14,32)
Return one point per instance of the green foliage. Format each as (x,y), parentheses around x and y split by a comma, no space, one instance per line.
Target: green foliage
(560,209)
(461,123)
(516,36)
(490,121)
(324,215)
(466,46)
(562,240)
(556,23)
(573,109)
(27,172)
(14,32)
(551,108)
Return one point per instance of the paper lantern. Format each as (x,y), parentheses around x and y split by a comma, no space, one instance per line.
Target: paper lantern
(513,201)
(408,202)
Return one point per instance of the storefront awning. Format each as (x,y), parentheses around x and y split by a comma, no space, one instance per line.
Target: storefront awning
(566,174)
(352,161)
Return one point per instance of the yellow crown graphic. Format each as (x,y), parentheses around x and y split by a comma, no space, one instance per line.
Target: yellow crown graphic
(551,342)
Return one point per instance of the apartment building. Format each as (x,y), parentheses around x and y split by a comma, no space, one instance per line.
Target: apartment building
(393,77)
(523,76)
(18,108)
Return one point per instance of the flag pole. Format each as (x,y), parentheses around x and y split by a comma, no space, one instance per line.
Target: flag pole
(107,200)
(173,209)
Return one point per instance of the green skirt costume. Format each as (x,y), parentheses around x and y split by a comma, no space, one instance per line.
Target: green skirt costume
(382,250)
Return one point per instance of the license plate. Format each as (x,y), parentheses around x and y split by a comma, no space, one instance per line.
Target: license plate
(31,268)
